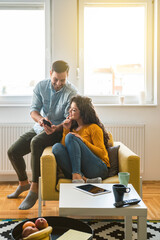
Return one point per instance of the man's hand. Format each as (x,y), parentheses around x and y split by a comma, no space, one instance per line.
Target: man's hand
(40,121)
(36,116)
(50,130)
(47,129)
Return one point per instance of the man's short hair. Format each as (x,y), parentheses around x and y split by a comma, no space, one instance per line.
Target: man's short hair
(60,66)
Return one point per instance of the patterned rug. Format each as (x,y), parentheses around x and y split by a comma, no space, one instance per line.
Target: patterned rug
(103,229)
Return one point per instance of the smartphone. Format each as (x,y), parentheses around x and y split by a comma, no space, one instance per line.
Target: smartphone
(92,189)
(46,123)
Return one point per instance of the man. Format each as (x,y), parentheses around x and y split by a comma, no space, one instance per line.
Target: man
(51,100)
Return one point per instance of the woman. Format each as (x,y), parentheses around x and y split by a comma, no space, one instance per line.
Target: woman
(82,153)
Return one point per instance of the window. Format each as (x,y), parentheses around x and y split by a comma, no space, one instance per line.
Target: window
(24,48)
(116,50)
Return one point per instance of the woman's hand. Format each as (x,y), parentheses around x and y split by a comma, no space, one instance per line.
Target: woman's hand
(67,123)
(77,135)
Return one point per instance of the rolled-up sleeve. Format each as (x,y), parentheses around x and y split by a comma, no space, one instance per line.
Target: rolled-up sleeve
(36,104)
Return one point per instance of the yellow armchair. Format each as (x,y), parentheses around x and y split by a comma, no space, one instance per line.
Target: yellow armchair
(49,183)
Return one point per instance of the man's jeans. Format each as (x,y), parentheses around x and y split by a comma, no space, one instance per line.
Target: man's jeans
(30,142)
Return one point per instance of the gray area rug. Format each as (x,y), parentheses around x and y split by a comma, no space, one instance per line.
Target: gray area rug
(103,229)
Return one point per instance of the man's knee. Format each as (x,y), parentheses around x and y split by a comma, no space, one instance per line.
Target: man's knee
(11,152)
(34,142)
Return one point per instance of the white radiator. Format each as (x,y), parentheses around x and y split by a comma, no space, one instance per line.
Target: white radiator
(133,136)
(9,133)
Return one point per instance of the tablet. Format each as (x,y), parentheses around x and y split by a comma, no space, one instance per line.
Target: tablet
(92,189)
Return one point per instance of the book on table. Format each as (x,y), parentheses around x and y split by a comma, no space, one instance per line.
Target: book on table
(72,234)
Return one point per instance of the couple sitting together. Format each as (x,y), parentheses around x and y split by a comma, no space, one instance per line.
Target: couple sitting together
(77,135)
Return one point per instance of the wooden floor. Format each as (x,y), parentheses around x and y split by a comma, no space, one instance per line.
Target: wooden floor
(9,207)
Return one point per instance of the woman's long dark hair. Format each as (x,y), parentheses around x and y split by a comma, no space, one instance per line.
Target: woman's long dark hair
(88,115)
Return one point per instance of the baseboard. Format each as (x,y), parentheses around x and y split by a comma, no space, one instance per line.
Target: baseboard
(10,177)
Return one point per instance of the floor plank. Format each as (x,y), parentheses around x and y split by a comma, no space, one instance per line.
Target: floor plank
(9,207)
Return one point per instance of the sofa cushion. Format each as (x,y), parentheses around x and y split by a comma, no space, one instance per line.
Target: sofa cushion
(110,141)
(113,179)
(62,180)
(113,159)
(60,174)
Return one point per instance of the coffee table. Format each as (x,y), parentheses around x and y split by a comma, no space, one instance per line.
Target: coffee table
(73,202)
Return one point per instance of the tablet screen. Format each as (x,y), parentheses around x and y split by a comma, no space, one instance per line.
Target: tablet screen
(92,189)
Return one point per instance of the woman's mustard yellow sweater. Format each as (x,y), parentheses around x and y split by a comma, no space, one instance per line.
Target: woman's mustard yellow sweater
(92,136)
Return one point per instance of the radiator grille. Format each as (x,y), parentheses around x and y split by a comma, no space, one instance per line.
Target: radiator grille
(132,136)
(9,133)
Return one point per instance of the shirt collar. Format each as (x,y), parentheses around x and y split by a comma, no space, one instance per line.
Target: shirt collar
(52,88)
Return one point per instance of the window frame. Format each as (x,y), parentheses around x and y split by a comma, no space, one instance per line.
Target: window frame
(150,50)
(30,4)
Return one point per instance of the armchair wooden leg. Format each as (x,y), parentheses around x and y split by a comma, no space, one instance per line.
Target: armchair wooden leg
(39,198)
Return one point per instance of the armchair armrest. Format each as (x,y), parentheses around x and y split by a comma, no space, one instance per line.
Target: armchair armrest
(48,175)
(129,162)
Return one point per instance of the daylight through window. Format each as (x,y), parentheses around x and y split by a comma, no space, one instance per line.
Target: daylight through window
(22,50)
(114,50)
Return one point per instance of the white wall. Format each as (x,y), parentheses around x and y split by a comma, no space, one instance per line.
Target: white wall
(64,47)
(64,37)
(64,42)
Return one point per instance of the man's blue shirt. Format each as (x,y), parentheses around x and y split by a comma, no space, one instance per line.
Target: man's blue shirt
(51,104)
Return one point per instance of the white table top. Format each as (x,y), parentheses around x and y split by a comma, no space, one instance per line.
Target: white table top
(74,202)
